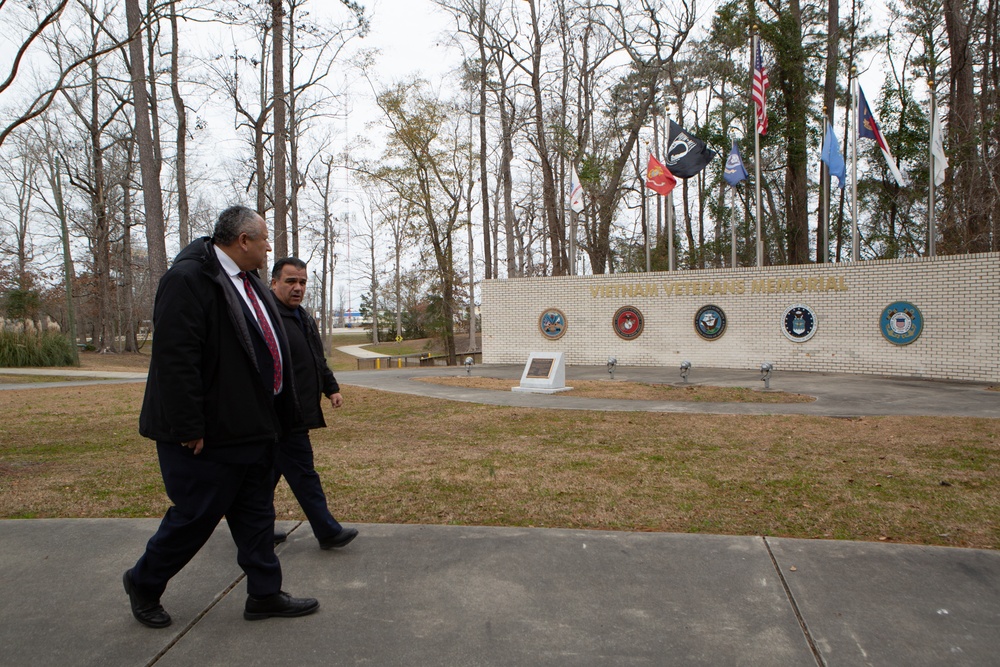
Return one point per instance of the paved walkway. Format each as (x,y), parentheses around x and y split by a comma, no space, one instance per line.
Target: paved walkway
(449,595)
(360,352)
(837,395)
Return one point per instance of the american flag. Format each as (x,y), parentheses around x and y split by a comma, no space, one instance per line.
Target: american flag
(759,92)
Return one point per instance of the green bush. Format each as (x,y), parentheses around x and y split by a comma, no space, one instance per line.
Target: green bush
(35,349)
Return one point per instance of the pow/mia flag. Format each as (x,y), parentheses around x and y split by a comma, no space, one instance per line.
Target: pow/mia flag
(686,153)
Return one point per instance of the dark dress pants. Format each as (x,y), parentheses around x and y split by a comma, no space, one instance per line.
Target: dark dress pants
(203,491)
(294,460)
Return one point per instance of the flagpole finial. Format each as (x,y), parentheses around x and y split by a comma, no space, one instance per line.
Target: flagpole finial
(854,70)
(755,28)
(930,83)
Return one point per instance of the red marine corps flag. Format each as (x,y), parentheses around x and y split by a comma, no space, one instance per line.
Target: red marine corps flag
(658,178)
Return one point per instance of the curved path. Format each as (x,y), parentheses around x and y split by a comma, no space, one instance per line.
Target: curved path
(837,395)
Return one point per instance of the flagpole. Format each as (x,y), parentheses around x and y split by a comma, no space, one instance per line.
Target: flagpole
(822,240)
(670,231)
(756,158)
(732,223)
(645,210)
(645,207)
(855,242)
(572,228)
(572,241)
(732,231)
(931,177)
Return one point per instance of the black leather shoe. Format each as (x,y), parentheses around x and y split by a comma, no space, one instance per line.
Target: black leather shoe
(146,611)
(280,536)
(341,539)
(279,604)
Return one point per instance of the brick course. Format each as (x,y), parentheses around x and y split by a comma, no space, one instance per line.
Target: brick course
(958,297)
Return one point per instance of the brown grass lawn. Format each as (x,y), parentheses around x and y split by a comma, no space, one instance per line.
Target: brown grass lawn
(408,459)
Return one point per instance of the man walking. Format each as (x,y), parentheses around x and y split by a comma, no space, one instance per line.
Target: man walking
(218,398)
(313,379)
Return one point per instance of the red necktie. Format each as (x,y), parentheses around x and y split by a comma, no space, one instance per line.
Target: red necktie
(272,344)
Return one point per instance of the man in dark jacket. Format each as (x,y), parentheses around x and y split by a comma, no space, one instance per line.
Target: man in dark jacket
(218,398)
(313,379)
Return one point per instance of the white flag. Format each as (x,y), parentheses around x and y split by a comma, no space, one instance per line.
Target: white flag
(576,193)
(937,150)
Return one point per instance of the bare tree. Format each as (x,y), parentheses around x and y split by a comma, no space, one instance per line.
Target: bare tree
(280,128)
(149,162)
(18,187)
(428,173)
(183,215)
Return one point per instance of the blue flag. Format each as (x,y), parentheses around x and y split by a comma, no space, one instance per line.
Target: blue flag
(734,172)
(832,157)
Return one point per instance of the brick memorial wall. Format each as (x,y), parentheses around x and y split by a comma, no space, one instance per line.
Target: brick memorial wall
(957,300)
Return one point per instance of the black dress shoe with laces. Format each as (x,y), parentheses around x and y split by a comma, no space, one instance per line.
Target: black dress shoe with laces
(280,536)
(280,604)
(341,539)
(146,610)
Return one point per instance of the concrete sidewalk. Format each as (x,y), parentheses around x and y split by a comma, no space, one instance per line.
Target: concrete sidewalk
(444,595)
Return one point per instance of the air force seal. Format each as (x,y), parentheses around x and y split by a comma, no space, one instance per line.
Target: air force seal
(710,322)
(901,323)
(798,323)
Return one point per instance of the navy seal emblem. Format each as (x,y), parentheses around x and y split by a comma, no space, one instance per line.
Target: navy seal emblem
(710,322)
(552,323)
(798,323)
(628,322)
(901,323)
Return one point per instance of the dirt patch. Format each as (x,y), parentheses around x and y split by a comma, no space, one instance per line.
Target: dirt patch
(637,391)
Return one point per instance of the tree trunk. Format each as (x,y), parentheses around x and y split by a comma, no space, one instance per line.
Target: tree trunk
(293,138)
(69,275)
(280,193)
(791,59)
(829,103)
(966,227)
(148,163)
(183,219)
(484,182)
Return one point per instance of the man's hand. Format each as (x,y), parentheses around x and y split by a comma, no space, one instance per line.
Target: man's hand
(336,400)
(196,445)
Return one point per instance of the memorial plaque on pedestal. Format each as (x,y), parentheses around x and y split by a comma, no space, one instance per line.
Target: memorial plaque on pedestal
(544,373)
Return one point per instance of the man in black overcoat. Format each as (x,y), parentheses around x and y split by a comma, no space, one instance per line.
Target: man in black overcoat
(219,396)
(313,380)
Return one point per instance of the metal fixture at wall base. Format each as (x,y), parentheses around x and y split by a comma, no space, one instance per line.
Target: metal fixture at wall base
(468,365)
(685,369)
(612,362)
(765,373)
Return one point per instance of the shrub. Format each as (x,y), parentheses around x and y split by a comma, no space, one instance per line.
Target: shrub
(35,348)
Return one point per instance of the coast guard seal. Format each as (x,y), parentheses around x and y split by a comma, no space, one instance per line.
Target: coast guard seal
(901,323)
